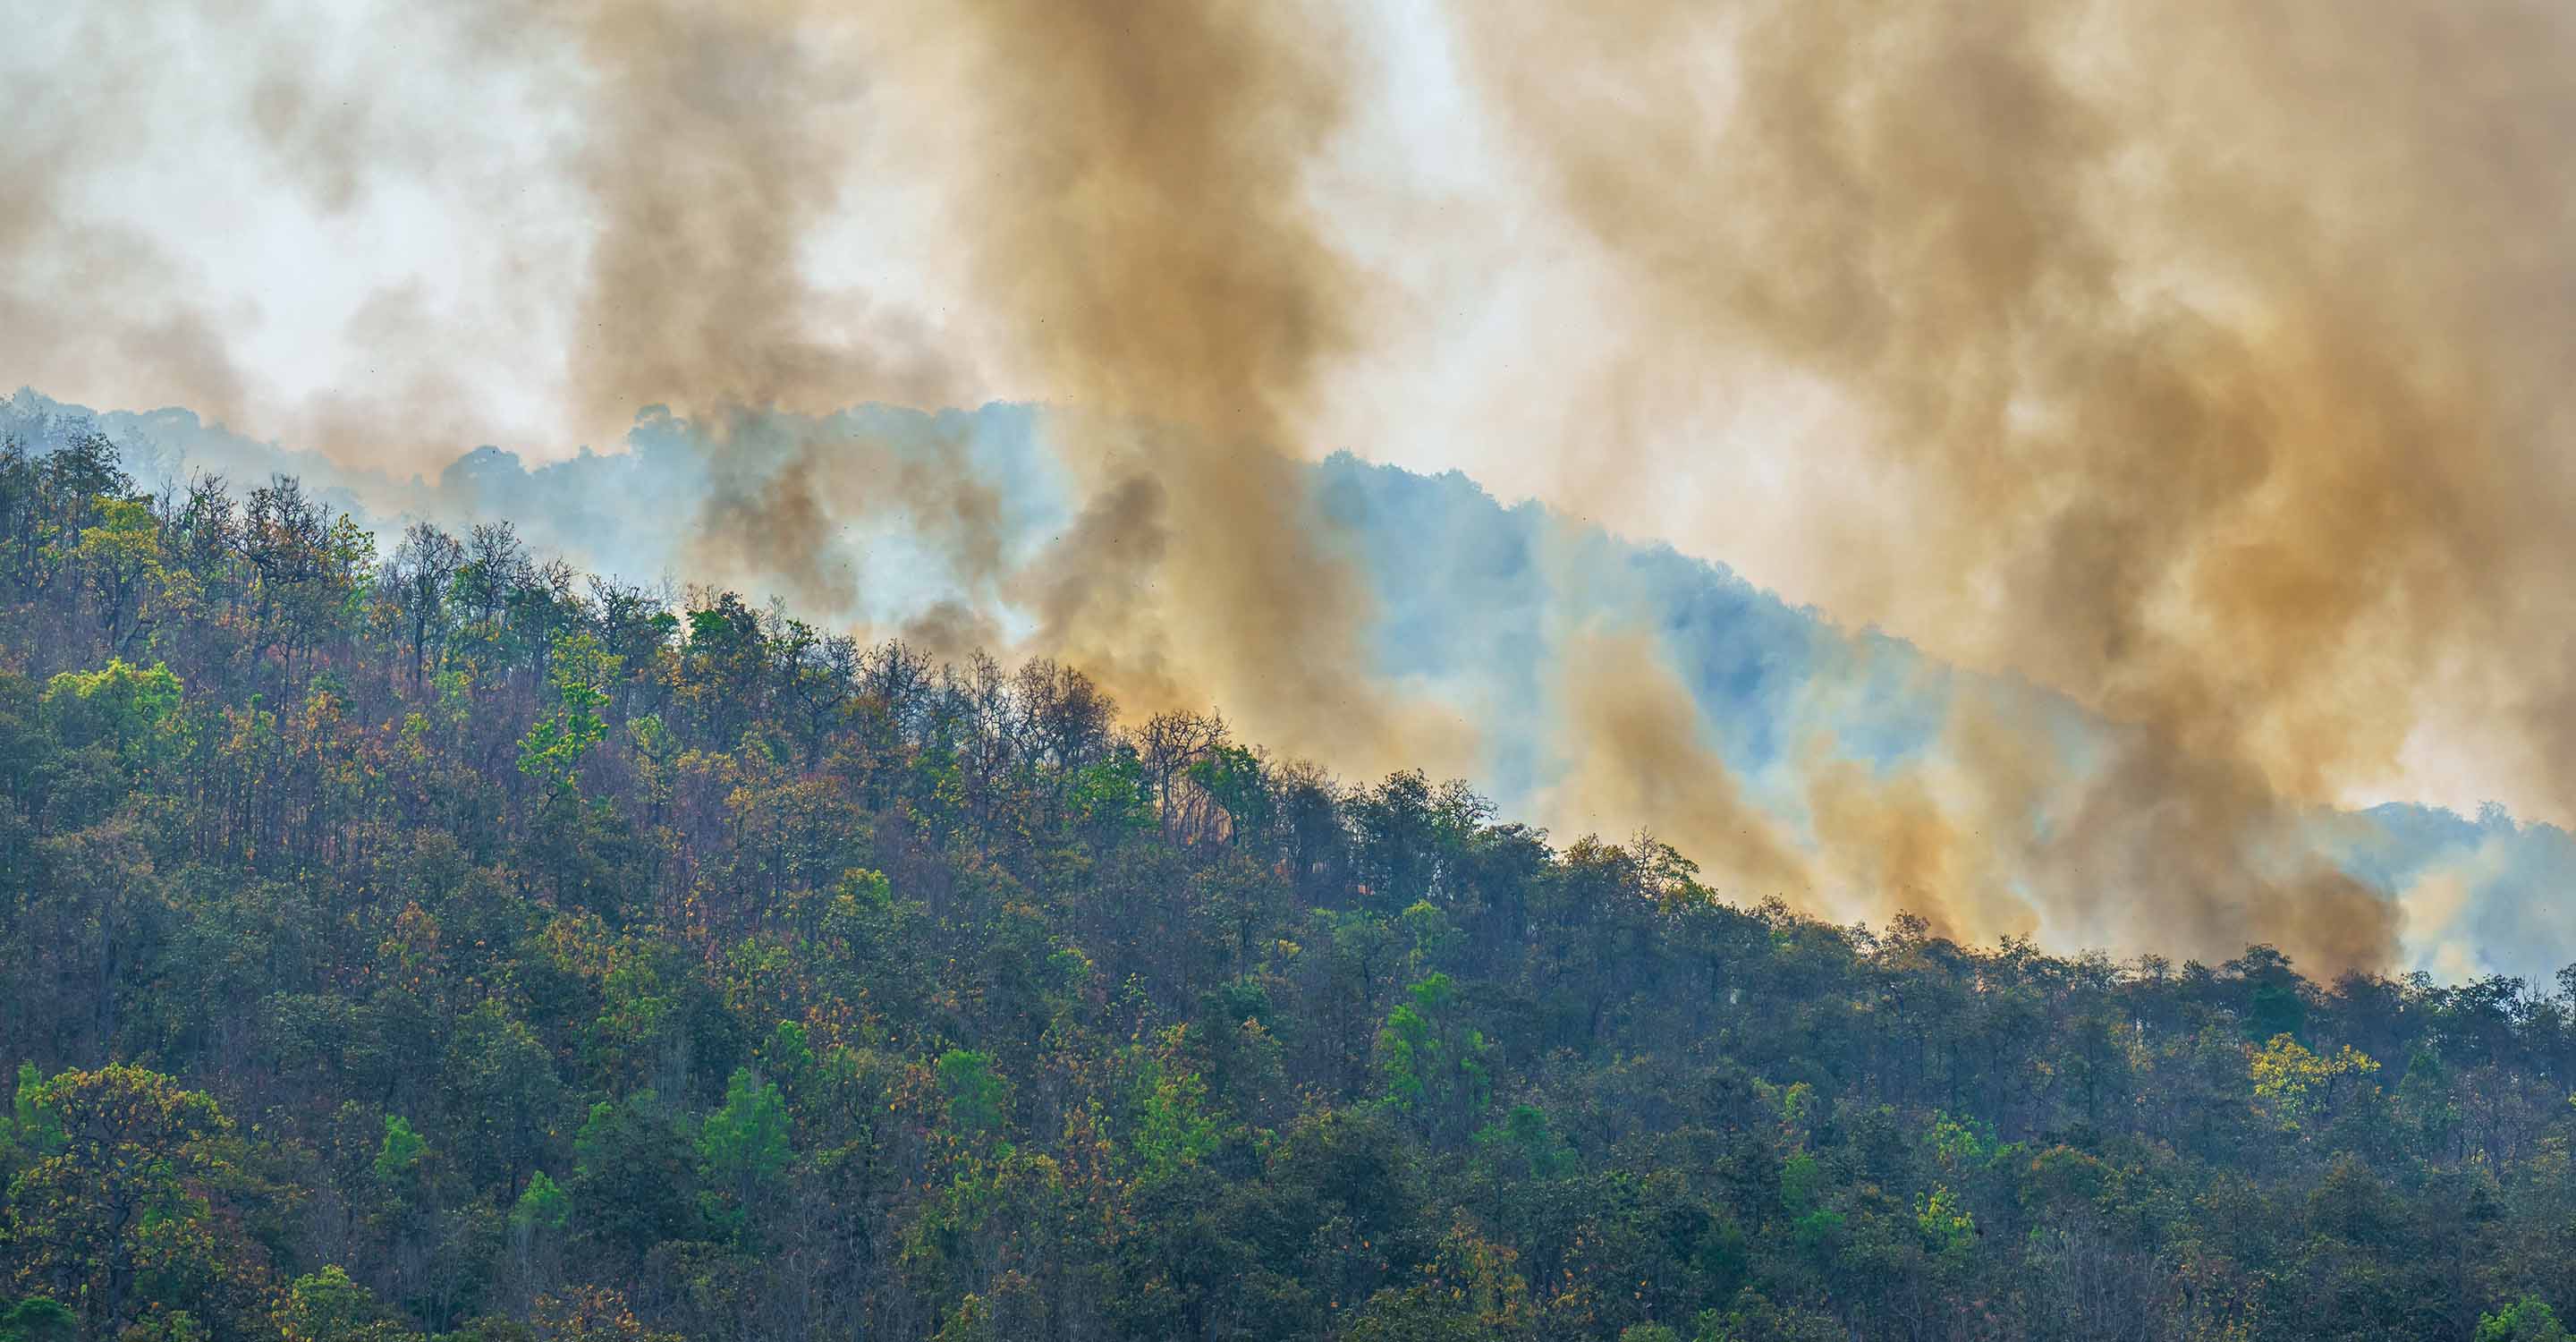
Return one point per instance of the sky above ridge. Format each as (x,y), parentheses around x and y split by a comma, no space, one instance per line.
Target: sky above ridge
(2199,364)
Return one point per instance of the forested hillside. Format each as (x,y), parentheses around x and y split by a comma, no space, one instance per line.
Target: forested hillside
(1480,613)
(431,940)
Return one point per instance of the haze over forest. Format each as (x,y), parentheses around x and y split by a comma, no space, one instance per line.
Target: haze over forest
(1795,758)
(1798,670)
(2144,360)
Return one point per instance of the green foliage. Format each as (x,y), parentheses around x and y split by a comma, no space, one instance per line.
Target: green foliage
(580,672)
(1755,1318)
(2525,1320)
(789,1054)
(1946,1225)
(1172,1127)
(31,1129)
(1112,796)
(1231,775)
(133,709)
(1469,1288)
(38,1319)
(1803,1195)
(744,1143)
(328,1307)
(115,1203)
(1792,1106)
(511,1096)
(1526,1138)
(1436,1068)
(542,1206)
(1432,934)
(1961,1145)
(632,1186)
(401,1150)
(977,1096)
(1802,1182)
(167,1325)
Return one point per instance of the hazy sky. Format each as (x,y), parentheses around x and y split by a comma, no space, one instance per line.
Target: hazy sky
(413,179)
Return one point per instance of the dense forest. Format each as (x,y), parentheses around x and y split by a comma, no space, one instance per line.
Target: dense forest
(428,940)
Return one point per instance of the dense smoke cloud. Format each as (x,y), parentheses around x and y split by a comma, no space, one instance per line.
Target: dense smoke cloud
(1138,208)
(1631,730)
(2206,348)
(717,141)
(1124,187)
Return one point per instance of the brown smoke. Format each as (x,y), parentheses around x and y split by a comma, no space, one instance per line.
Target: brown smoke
(1137,208)
(1101,576)
(1130,201)
(714,141)
(778,515)
(1896,848)
(2208,345)
(721,138)
(1638,759)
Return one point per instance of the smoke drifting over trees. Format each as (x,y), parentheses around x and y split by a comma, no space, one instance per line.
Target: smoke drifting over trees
(2203,366)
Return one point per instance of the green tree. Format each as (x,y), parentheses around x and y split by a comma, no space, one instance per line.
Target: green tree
(631,1187)
(121,1192)
(1753,1318)
(30,1129)
(167,1325)
(1170,1127)
(120,561)
(744,1145)
(1802,1195)
(1528,1143)
(1436,1068)
(2525,1320)
(537,1221)
(133,709)
(1946,1225)
(543,1205)
(506,1092)
(38,1319)
(582,674)
(978,1098)
(401,1149)
(326,1306)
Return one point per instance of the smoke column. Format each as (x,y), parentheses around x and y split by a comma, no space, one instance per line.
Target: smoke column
(2209,351)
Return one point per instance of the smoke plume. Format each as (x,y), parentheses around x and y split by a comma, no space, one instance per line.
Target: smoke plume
(1138,209)
(1638,761)
(2208,349)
